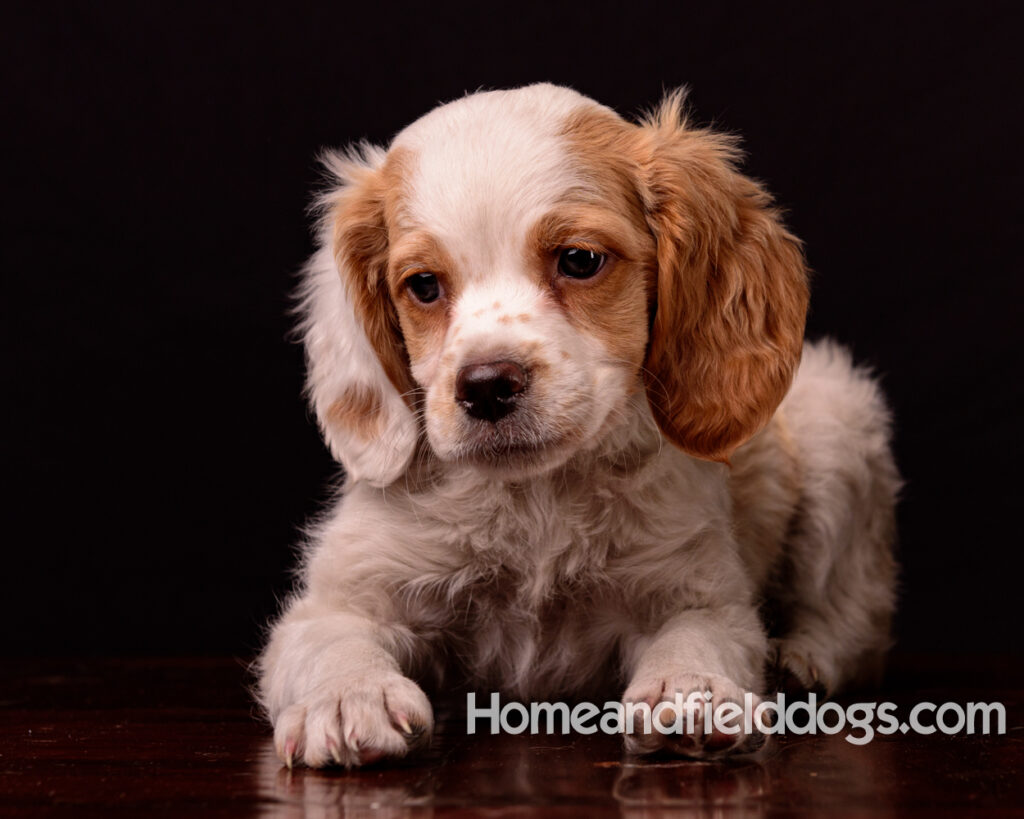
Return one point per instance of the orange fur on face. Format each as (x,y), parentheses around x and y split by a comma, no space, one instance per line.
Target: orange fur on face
(607,217)
(731,293)
(423,325)
(613,305)
(376,256)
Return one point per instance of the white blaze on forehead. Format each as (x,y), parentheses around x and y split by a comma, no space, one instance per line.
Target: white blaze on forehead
(488,167)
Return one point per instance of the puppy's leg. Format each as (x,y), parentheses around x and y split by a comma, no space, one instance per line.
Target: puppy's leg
(334,691)
(838,593)
(719,650)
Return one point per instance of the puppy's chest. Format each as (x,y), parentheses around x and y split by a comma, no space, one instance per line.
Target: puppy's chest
(537,634)
(535,602)
(549,575)
(534,552)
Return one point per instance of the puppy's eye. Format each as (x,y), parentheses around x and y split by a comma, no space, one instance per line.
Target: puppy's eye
(579,263)
(424,286)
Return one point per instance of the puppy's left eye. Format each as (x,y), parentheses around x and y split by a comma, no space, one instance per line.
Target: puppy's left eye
(579,263)
(424,286)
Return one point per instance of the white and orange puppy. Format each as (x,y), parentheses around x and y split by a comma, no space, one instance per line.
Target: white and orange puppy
(559,356)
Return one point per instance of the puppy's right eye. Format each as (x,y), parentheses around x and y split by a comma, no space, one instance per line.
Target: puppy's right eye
(424,286)
(579,263)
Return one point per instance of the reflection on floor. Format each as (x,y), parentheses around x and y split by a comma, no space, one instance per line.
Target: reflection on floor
(181,737)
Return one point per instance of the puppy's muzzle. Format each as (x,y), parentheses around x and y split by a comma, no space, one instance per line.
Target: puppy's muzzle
(490,391)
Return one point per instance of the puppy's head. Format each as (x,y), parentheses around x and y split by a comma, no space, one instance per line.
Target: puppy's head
(520,263)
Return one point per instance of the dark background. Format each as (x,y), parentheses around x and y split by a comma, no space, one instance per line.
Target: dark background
(159,457)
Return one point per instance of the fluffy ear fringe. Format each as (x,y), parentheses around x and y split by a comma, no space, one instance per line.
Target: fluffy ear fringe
(731,292)
(367,425)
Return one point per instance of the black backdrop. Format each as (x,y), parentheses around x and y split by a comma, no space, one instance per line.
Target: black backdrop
(160,460)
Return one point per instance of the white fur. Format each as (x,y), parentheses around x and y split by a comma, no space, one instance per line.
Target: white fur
(620,561)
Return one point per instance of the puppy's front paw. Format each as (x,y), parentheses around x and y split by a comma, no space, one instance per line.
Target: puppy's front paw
(354,721)
(689,733)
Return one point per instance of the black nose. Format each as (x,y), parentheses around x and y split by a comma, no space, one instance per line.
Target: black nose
(489,391)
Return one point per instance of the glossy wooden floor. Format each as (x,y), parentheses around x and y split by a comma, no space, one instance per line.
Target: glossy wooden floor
(179,738)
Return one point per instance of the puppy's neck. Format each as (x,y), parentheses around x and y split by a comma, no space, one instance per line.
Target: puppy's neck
(623,448)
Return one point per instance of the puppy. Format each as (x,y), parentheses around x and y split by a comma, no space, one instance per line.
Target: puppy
(559,357)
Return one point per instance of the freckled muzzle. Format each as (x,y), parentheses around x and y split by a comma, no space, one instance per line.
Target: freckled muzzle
(490,391)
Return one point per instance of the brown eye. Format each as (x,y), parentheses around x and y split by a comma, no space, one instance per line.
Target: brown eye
(578,263)
(424,286)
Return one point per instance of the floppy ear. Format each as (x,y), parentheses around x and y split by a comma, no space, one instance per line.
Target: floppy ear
(358,375)
(731,294)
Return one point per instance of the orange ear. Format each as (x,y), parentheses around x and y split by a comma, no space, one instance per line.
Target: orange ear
(358,377)
(360,242)
(731,296)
